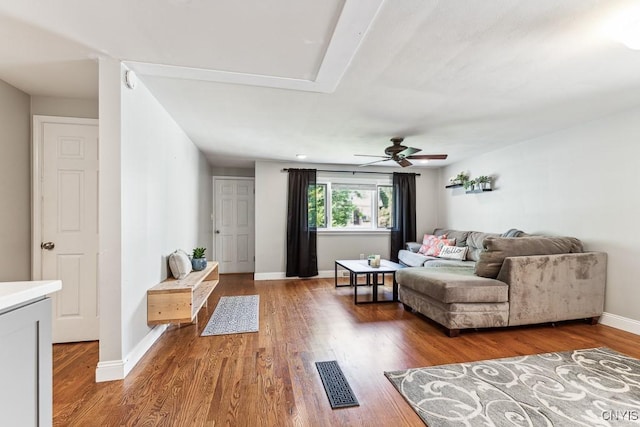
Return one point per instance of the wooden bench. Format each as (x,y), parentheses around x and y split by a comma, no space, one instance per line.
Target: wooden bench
(179,300)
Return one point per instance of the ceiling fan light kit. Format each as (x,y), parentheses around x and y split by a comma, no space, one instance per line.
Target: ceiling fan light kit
(401,154)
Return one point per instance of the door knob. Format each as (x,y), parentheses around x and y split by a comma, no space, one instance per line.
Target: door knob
(47,245)
(217,231)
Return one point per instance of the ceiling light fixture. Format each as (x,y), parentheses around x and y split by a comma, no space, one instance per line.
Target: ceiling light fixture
(301,156)
(624,27)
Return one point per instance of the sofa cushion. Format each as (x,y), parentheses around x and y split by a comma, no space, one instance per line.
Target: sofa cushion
(457,315)
(434,262)
(472,239)
(499,248)
(413,246)
(460,236)
(410,258)
(475,241)
(450,285)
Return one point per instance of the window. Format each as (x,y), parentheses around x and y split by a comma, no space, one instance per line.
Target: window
(347,203)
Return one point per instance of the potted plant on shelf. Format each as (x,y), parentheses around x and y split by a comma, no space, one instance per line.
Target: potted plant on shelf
(484,182)
(469,184)
(459,179)
(198,261)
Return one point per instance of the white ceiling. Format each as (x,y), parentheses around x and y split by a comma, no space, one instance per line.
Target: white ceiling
(252,80)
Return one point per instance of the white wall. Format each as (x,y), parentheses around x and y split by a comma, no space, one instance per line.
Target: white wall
(109,221)
(271,216)
(579,182)
(161,202)
(166,182)
(64,107)
(236,172)
(15,184)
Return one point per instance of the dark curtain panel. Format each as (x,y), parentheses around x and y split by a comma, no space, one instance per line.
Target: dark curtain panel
(302,257)
(404,212)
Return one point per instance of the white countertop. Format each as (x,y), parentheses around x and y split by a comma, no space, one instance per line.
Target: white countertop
(14,293)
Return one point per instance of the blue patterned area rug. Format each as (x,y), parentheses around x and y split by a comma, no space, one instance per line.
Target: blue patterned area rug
(234,315)
(590,387)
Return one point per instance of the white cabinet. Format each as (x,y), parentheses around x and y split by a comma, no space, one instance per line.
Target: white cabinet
(26,364)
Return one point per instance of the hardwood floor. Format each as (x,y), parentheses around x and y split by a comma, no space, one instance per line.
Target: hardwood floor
(269,378)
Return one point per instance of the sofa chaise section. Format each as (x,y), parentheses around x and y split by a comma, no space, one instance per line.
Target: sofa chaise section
(455,298)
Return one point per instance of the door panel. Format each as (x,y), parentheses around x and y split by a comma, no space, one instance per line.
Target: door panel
(69,215)
(68,302)
(234,225)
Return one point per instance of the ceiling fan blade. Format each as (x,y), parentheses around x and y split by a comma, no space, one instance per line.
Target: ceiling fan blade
(377,161)
(408,151)
(403,162)
(428,157)
(371,155)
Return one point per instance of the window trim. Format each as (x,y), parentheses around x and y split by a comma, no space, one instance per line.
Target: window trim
(353,231)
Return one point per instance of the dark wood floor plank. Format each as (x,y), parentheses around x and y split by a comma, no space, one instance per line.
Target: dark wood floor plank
(269,378)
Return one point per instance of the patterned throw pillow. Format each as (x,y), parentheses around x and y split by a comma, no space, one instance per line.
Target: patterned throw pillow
(431,245)
(453,252)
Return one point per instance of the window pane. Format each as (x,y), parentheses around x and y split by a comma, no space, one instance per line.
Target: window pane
(351,208)
(316,205)
(385,203)
(321,205)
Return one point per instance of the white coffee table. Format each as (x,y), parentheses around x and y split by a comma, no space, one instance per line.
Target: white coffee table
(372,274)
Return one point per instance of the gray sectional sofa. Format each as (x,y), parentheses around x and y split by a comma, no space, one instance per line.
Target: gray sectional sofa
(504,281)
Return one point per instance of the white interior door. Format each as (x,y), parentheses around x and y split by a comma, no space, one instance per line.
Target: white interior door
(234,225)
(69,226)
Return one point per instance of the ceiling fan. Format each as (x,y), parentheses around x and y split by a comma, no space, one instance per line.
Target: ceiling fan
(400,154)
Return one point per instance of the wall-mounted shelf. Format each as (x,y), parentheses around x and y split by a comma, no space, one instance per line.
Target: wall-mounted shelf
(469,191)
(478,185)
(178,301)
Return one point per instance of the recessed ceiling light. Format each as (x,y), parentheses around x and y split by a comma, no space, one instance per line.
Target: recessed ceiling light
(301,156)
(424,161)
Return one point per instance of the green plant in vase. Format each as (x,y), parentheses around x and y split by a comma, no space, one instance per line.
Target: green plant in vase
(461,178)
(484,182)
(198,260)
(468,185)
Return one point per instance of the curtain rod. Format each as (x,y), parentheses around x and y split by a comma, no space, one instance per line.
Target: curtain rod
(354,172)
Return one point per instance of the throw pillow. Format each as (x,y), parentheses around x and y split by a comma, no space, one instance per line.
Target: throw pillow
(180,264)
(453,252)
(427,242)
(431,244)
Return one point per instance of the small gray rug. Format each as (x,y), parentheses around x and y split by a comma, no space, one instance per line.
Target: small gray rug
(234,315)
(591,387)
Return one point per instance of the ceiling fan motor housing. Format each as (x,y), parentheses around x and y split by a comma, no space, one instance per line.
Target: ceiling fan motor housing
(393,150)
(396,147)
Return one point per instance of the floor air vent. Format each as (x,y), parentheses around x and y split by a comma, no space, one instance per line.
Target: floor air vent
(336,385)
